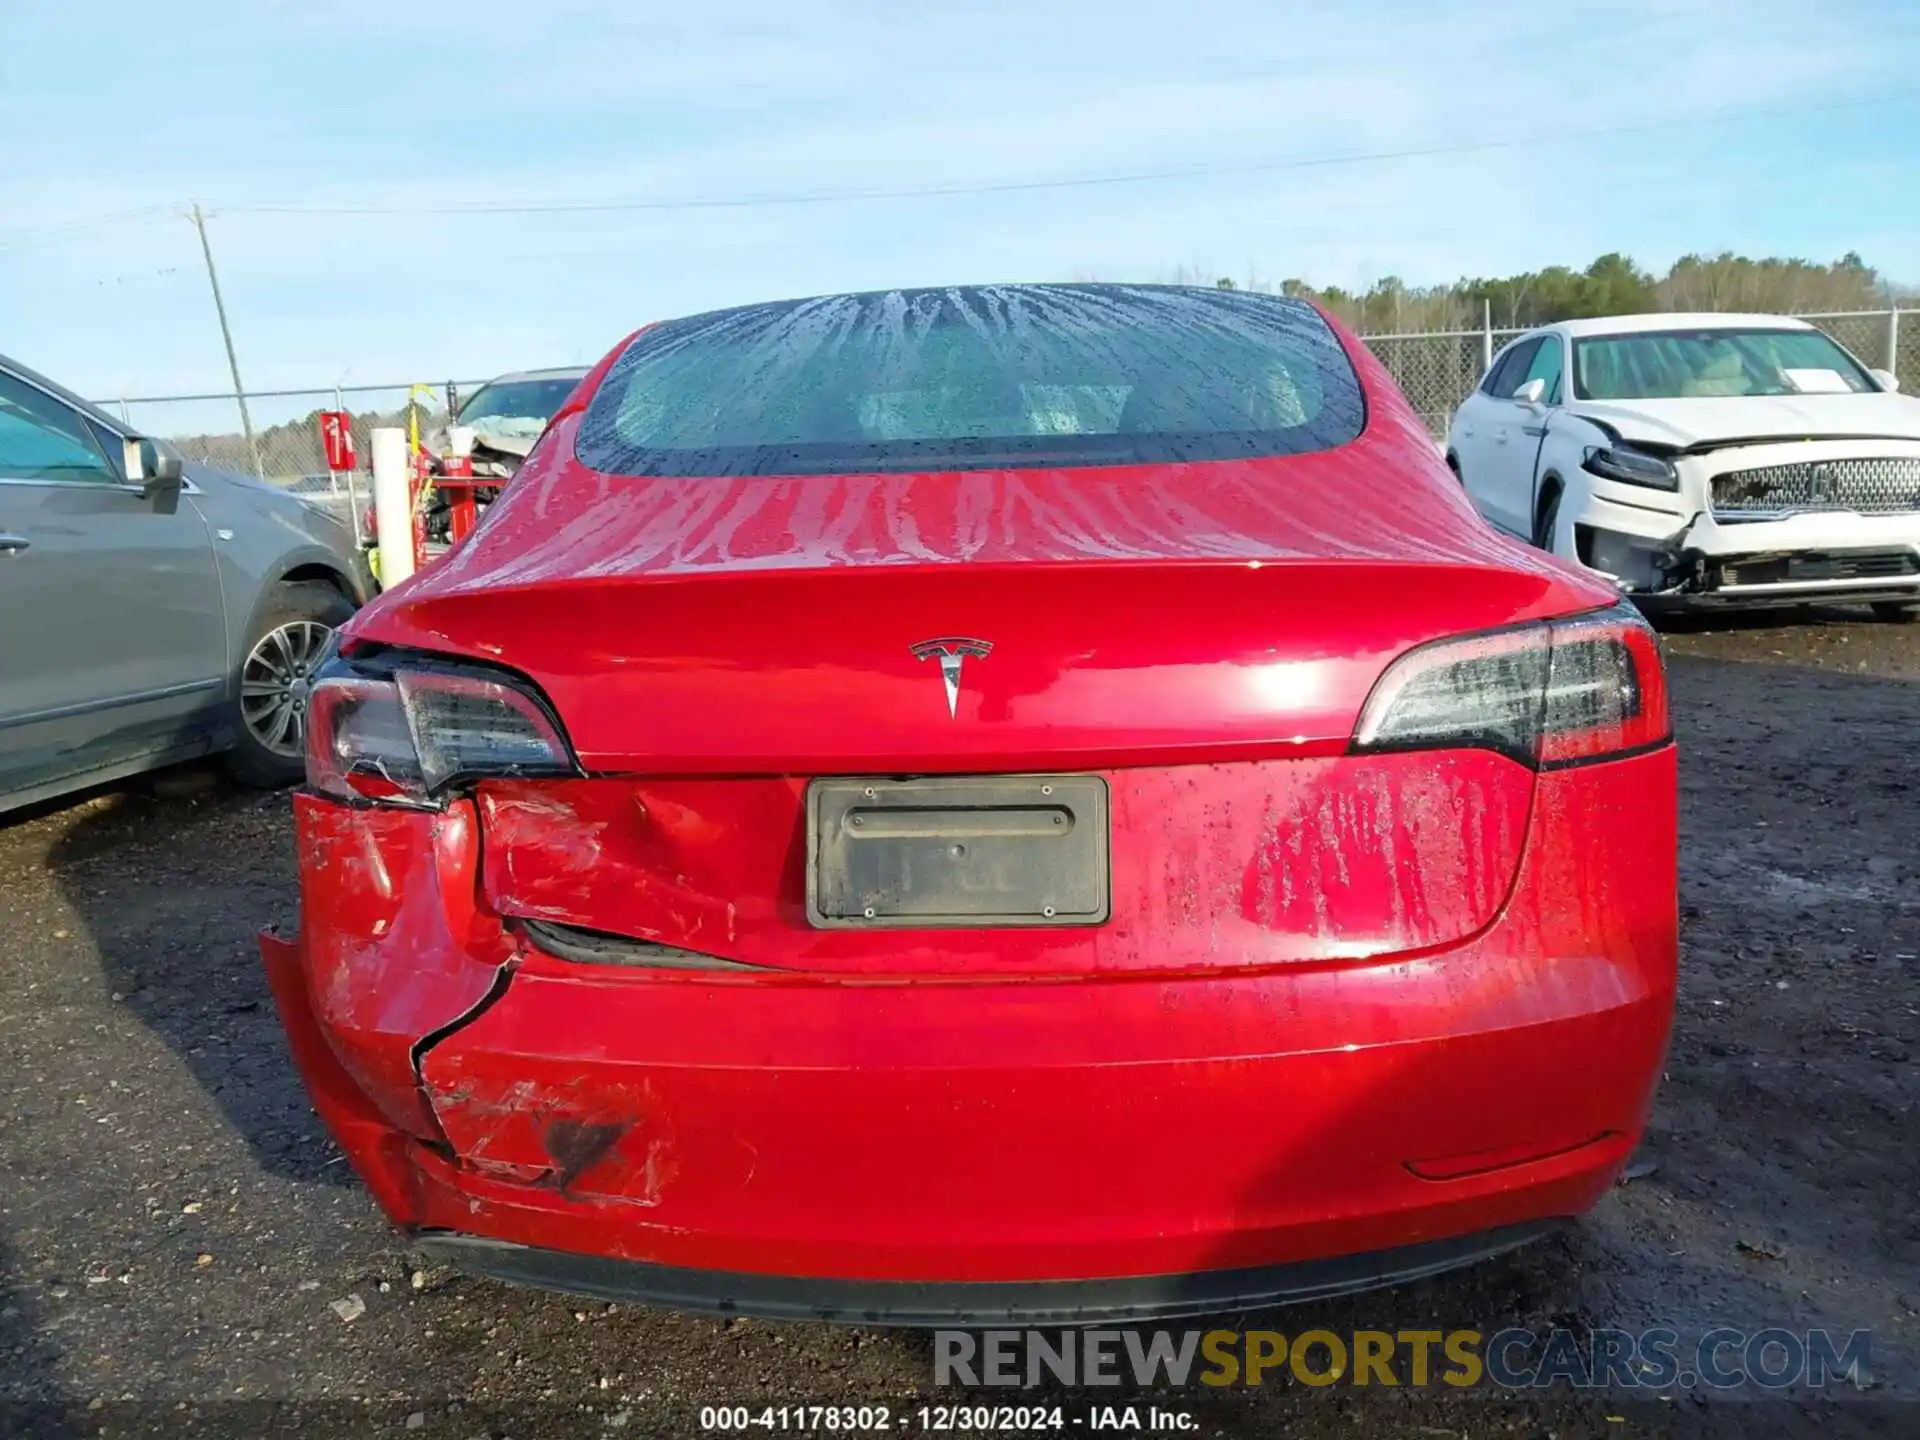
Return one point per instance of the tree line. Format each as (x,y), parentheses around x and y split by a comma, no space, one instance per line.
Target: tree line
(1612,285)
(292,448)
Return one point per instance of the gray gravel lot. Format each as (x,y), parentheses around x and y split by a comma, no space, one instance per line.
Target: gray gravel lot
(178,1239)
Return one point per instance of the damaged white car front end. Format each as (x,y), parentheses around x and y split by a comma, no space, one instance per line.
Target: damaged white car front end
(1746,524)
(1701,461)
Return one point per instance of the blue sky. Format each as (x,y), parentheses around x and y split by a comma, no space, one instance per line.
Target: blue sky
(115,114)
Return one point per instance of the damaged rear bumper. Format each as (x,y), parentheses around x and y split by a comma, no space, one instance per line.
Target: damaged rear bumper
(914,1152)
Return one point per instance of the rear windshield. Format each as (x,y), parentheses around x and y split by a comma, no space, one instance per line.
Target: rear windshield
(1040,375)
(1703,364)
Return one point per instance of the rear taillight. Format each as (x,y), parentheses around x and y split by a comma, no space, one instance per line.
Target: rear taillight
(1550,693)
(406,734)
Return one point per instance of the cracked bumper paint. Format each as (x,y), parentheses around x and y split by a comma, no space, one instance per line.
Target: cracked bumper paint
(993,1129)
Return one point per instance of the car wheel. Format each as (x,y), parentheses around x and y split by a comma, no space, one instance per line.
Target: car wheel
(1899,612)
(289,637)
(1548,520)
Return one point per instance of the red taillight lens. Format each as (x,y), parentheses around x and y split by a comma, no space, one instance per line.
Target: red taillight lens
(404,738)
(467,726)
(1550,693)
(1606,689)
(358,744)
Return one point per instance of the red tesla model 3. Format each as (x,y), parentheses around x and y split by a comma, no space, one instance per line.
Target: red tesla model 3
(1021,803)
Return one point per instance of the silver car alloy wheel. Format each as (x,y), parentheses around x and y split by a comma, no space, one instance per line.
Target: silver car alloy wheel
(274,682)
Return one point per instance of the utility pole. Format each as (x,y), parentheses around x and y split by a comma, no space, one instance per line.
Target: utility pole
(233,364)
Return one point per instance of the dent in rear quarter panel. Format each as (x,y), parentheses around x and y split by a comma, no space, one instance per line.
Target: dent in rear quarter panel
(688,863)
(597,1140)
(537,818)
(382,892)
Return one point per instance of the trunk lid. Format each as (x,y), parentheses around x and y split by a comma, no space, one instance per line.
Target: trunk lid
(865,670)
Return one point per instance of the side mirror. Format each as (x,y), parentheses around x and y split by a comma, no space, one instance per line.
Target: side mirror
(1532,394)
(154,470)
(1888,380)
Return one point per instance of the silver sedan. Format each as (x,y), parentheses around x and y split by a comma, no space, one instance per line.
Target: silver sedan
(150,611)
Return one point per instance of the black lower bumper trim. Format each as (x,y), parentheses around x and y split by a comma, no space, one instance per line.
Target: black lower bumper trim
(968,1304)
(1681,602)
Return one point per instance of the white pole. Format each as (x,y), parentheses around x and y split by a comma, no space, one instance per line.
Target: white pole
(353,511)
(392,505)
(353,489)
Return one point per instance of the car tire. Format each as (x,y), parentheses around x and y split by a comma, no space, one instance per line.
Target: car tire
(1547,520)
(1897,612)
(288,639)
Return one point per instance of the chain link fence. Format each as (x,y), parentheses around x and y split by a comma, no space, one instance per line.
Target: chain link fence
(1437,371)
(286,448)
(1869,335)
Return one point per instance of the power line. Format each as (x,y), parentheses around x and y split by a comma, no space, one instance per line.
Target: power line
(64,230)
(834,197)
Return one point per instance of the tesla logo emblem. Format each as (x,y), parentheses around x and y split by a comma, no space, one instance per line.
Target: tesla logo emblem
(952,651)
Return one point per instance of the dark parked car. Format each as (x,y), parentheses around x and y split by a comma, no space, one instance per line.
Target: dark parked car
(151,610)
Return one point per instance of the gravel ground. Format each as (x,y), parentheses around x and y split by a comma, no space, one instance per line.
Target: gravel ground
(180,1245)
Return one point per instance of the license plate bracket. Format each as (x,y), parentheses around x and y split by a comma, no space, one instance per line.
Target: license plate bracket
(972,851)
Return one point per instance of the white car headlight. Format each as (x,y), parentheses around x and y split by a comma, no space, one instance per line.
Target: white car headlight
(1630,466)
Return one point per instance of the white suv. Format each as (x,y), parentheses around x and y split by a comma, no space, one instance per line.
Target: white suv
(1701,460)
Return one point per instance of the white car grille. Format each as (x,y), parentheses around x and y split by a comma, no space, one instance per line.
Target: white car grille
(1889,486)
